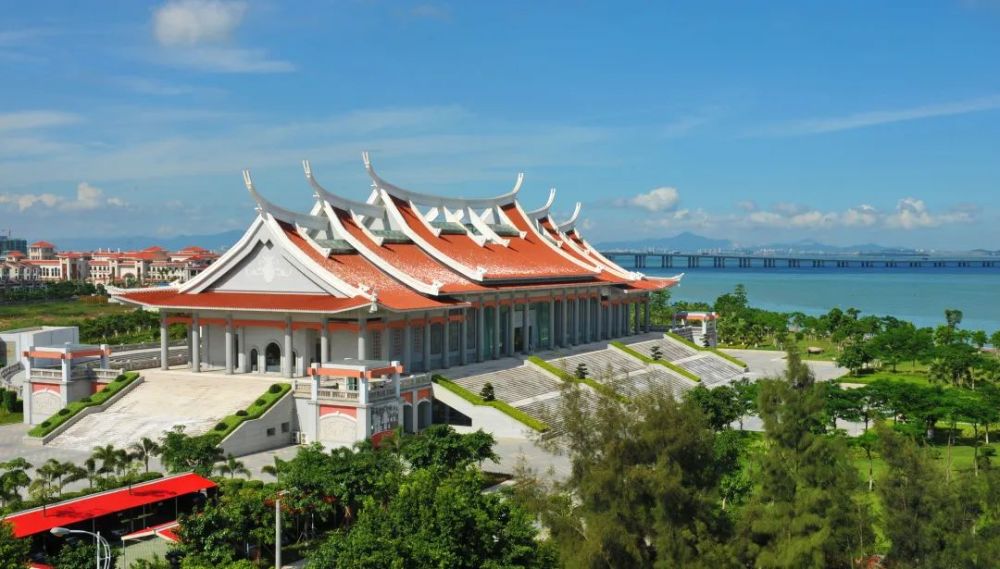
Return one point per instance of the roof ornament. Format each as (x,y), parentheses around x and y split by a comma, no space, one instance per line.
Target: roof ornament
(544,210)
(432,200)
(373,307)
(321,193)
(570,223)
(264,206)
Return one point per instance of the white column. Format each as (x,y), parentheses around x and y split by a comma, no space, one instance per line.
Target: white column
(164,342)
(195,344)
(362,337)
(243,359)
(229,345)
(576,321)
(446,341)
(525,328)
(324,342)
(646,310)
(495,348)
(480,331)
(463,340)
(286,362)
(565,319)
(552,323)
(510,329)
(600,320)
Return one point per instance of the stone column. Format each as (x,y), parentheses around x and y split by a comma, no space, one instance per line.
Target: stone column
(195,344)
(164,343)
(495,348)
(243,361)
(229,345)
(646,315)
(525,328)
(427,341)
(407,344)
(564,316)
(598,329)
(480,331)
(576,320)
(552,323)
(446,341)
(324,341)
(362,337)
(463,339)
(287,363)
(510,328)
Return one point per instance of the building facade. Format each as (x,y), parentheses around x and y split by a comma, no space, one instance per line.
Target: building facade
(43,263)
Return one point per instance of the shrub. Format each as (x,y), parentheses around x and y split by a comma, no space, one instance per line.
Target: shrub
(46,423)
(86,399)
(275,388)
(487,392)
(259,402)
(221,427)
(241,413)
(581,371)
(64,411)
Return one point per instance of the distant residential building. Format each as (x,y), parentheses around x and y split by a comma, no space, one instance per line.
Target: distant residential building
(8,243)
(44,263)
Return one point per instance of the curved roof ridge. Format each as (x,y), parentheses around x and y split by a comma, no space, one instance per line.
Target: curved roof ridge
(265,206)
(542,212)
(339,202)
(570,223)
(441,201)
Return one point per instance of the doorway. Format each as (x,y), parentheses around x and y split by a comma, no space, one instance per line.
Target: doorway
(272,358)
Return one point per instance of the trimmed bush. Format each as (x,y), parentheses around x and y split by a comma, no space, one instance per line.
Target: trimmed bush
(85,399)
(254,411)
(487,392)
(241,413)
(64,414)
(221,426)
(65,411)
(275,388)
(259,402)
(45,423)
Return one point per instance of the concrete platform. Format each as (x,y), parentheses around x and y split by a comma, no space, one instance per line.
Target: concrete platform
(167,398)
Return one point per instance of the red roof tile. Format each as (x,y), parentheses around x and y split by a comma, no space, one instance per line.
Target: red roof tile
(265,302)
(43,244)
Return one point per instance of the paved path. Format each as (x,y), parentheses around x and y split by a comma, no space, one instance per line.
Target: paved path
(771,363)
(165,399)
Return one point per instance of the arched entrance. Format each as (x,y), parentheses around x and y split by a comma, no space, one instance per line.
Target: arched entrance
(272,358)
(253,360)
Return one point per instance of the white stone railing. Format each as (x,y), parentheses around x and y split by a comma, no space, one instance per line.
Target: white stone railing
(43,373)
(7,374)
(382,391)
(416,380)
(303,389)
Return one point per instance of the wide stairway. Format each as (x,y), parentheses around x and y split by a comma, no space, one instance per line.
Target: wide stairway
(626,374)
(163,400)
(712,369)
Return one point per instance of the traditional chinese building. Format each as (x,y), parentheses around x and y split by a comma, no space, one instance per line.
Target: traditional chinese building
(430,281)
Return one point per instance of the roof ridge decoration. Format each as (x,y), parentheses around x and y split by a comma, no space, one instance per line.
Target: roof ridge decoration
(439,201)
(265,206)
(570,223)
(543,211)
(321,193)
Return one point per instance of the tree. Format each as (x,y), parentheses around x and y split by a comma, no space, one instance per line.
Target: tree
(487,392)
(229,527)
(581,371)
(13,551)
(180,452)
(440,447)
(78,553)
(660,311)
(13,478)
(435,521)
(719,405)
(143,450)
(108,456)
(232,467)
(807,511)
(745,401)
(655,353)
(643,490)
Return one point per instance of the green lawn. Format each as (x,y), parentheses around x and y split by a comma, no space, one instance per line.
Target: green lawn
(54,313)
(916,378)
(829,348)
(10,418)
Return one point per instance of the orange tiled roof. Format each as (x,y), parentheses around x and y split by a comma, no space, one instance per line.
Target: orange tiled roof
(245,301)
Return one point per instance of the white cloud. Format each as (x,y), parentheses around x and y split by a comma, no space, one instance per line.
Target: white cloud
(196,22)
(912,213)
(88,198)
(658,199)
(873,118)
(26,120)
(197,34)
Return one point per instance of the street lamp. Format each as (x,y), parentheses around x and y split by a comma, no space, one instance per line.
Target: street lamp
(277,529)
(103,557)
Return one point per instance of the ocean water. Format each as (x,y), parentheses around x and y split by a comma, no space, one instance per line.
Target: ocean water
(918,295)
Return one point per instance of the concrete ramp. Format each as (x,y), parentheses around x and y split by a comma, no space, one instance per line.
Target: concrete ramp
(165,399)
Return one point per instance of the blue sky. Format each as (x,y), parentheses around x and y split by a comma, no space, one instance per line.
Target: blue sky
(845,122)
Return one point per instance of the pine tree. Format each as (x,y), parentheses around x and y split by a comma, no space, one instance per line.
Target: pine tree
(808,511)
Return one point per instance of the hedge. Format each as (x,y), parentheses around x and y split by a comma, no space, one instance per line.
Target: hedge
(501,406)
(669,365)
(69,411)
(567,376)
(719,353)
(229,423)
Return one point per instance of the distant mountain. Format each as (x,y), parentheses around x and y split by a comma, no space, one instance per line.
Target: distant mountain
(686,241)
(212,241)
(813,246)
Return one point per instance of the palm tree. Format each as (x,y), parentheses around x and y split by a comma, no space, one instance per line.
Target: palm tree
(143,450)
(109,457)
(91,472)
(232,467)
(273,470)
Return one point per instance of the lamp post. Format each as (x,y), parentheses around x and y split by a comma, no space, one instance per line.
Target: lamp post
(102,557)
(277,529)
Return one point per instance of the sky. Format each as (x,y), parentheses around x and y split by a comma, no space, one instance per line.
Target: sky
(842,122)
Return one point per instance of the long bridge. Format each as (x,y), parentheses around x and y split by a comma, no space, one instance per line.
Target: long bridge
(647,259)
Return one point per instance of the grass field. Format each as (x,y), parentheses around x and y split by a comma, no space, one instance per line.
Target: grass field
(54,313)
(916,378)
(829,348)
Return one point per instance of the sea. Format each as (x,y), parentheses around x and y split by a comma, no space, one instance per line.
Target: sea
(919,295)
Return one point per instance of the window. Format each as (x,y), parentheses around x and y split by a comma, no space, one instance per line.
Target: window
(376,344)
(286,427)
(437,338)
(270,431)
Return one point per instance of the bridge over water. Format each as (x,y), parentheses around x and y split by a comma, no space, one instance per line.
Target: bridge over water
(645,259)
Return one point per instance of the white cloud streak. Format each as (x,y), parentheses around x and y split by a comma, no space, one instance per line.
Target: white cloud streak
(27,120)
(87,198)
(874,118)
(658,199)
